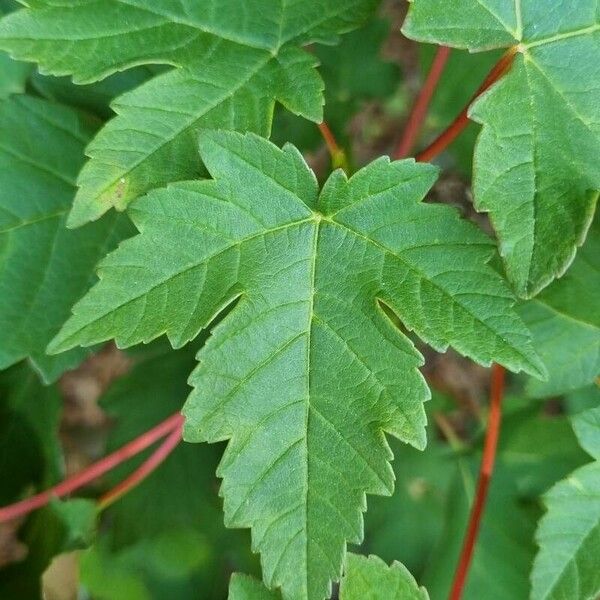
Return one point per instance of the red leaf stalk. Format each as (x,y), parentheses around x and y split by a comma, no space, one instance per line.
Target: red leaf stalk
(421,105)
(462,120)
(338,156)
(151,464)
(174,422)
(485,474)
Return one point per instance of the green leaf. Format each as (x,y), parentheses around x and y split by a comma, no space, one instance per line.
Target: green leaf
(565,322)
(569,538)
(536,449)
(587,428)
(95,97)
(232,63)
(29,445)
(582,399)
(354,72)
(364,579)
(154,389)
(462,74)
(176,563)
(13,74)
(568,535)
(44,268)
(31,459)
(414,514)
(166,535)
(77,520)
(243,587)
(369,578)
(535,167)
(307,370)
(505,547)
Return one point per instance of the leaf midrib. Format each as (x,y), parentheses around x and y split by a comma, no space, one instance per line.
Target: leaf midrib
(35,221)
(562,36)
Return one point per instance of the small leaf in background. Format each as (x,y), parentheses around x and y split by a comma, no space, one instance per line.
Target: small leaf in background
(535,167)
(44,268)
(369,578)
(427,515)
(568,535)
(243,587)
(13,73)
(565,322)
(587,428)
(406,526)
(30,461)
(95,98)
(536,449)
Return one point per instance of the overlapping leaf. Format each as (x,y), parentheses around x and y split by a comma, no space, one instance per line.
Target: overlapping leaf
(13,74)
(365,578)
(307,371)
(235,59)
(44,268)
(569,534)
(369,578)
(535,169)
(587,428)
(354,72)
(243,587)
(565,322)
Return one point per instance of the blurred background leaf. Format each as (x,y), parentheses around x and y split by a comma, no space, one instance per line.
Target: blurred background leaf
(30,461)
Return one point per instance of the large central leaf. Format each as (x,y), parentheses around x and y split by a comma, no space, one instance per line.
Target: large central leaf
(235,59)
(536,168)
(307,371)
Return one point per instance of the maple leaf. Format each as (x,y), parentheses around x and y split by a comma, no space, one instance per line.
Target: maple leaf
(244,587)
(569,533)
(364,577)
(233,61)
(535,167)
(307,371)
(370,577)
(565,322)
(44,267)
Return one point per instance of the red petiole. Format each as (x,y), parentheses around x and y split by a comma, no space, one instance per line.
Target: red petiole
(168,426)
(462,120)
(419,110)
